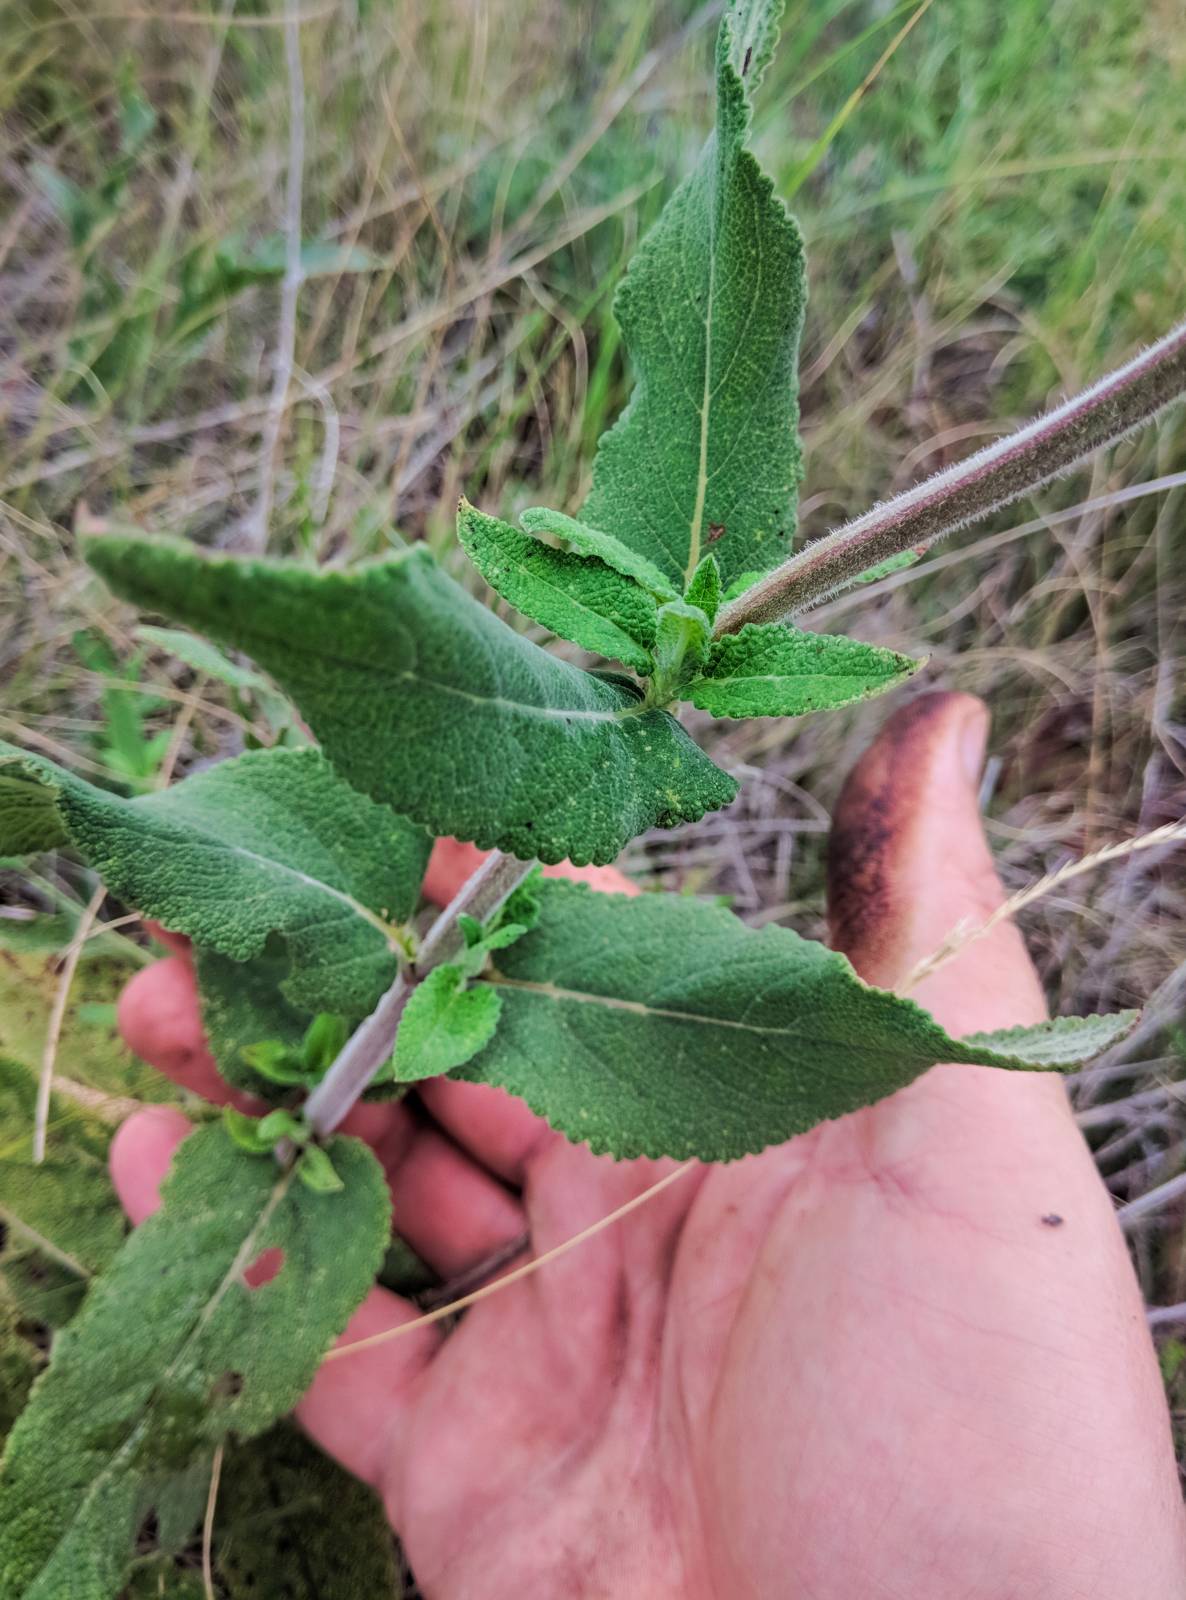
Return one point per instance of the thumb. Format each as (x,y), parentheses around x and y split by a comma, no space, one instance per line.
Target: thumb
(908,862)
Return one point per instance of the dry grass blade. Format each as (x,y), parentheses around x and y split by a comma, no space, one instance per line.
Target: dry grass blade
(966,933)
(511,1278)
(208,1526)
(57,1016)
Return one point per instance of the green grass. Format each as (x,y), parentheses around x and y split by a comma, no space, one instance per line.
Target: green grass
(999,218)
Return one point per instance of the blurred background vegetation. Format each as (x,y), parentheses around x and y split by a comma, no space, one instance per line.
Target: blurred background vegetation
(994,200)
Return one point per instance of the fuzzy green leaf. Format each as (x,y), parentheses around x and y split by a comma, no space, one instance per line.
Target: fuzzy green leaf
(443,1026)
(243,1003)
(711,310)
(244,1132)
(576,597)
(204,657)
(291,1525)
(317,1172)
(704,590)
(417,694)
(770,670)
(64,1208)
(883,569)
(20,1362)
(173,1350)
(273,841)
(664,1026)
(588,541)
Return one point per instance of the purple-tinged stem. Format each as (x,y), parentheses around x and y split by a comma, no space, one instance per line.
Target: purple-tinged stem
(993,477)
(371,1043)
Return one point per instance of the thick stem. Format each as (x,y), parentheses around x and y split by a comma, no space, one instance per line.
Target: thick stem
(971,489)
(371,1043)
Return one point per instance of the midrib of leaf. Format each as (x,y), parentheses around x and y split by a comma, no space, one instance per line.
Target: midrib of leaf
(244,1256)
(408,675)
(706,392)
(390,932)
(551,991)
(39,1240)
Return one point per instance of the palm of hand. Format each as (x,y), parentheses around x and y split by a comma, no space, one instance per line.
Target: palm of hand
(864,1363)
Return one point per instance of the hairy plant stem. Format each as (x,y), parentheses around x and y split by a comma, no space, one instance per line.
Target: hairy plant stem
(1042,450)
(371,1043)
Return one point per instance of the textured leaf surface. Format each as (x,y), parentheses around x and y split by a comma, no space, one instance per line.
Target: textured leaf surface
(664,1026)
(172,1350)
(271,841)
(443,1026)
(576,597)
(588,541)
(293,1526)
(704,590)
(711,310)
(65,1207)
(242,1004)
(424,699)
(770,670)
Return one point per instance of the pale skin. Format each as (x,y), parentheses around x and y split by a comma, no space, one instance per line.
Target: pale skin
(859,1365)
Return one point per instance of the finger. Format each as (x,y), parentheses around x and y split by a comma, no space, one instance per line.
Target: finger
(177,942)
(452,1213)
(160,1020)
(354,1402)
(453,861)
(489,1124)
(908,861)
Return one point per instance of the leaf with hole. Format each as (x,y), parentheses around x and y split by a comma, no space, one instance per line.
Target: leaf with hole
(660,1025)
(418,693)
(711,310)
(130,1402)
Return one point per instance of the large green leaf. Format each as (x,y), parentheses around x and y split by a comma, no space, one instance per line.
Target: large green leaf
(711,310)
(273,841)
(664,1026)
(769,670)
(424,699)
(577,597)
(173,1350)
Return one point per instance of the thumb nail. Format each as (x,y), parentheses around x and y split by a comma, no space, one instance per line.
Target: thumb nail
(973,743)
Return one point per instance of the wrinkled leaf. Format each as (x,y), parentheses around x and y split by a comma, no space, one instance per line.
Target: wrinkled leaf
(664,1026)
(588,541)
(704,590)
(443,1026)
(64,1208)
(711,310)
(291,1525)
(576,597)
(243,1003)
(172,1351)
(418,693)
(770,670)
(273,841)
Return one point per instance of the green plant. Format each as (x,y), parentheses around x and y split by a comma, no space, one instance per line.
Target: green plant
(297,872)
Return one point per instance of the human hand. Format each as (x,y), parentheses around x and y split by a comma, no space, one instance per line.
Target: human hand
(860,1364)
